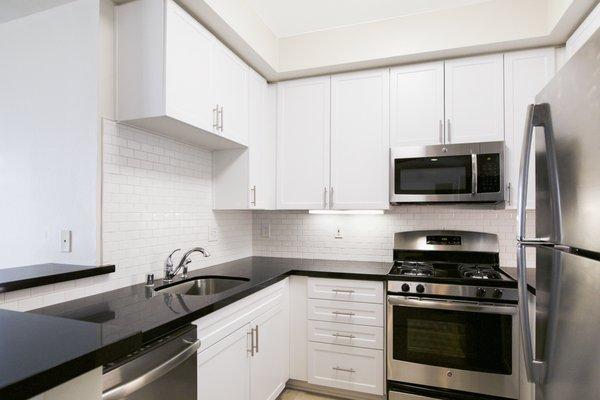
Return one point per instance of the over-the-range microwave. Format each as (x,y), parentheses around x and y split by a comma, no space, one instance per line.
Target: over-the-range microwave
(472,172)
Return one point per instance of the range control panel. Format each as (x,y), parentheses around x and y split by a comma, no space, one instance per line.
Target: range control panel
(441,289)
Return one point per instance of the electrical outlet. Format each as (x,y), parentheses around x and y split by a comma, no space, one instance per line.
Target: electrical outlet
(213,235)
(338,234)
(265,230)
(65,241)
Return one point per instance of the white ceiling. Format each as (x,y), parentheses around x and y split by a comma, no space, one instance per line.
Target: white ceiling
(294,17)
(13,9)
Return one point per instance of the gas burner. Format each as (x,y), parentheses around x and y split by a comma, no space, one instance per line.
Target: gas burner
(415,268)
(478,272)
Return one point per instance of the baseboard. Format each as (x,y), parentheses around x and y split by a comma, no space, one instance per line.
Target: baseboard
(332,392)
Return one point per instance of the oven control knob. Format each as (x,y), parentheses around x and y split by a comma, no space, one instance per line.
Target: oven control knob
(480,292)
(405,287)
(420,288)
(497,293)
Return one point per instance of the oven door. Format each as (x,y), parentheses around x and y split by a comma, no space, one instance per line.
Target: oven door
(454,345)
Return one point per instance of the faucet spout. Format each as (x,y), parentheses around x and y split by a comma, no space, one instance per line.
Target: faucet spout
(170,273)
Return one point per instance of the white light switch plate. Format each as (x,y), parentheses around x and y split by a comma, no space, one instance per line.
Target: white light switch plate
(65,241)
(338,234)
(213,235)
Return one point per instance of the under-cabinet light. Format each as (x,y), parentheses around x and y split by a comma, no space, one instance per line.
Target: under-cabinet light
(351,212)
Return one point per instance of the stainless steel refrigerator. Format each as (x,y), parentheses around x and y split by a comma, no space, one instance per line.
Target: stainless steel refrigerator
(564,362)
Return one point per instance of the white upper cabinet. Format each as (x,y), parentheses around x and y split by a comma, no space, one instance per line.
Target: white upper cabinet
(474,99)
(245,178)
(303,122)
(526,74)
(175,78)
(417,104)
(230,93)
(188,69)
(359,140)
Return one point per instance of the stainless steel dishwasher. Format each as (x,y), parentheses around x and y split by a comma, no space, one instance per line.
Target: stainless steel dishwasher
(163,369)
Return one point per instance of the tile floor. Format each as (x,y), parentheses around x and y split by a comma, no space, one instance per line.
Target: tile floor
(289,394)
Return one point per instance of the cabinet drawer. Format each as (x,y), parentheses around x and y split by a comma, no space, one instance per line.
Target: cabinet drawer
(345,312)
(346,334)
(345,367)
(345,289)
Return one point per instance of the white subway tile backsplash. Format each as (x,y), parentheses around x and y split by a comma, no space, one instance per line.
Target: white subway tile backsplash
(370,237)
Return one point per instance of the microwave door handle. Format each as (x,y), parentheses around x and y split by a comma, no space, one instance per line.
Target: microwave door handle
(538,115)
(474,175)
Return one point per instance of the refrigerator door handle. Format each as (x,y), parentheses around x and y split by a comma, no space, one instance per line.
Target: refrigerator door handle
(535,369)
(537,115)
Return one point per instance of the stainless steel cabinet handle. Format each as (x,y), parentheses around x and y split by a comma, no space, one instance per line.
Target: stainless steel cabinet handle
(348,314)
(474,174)
(256,332)
(135,384)
(331,197)
(441,132)
(344,336)
(349,291)
(448,131)
(221,114)
(351,370)
(508,190)
(253,201)
(251,334)
(325,198)
(215,117)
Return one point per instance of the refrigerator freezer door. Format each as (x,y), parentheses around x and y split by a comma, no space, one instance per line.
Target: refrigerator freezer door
(567,325)
(573,96)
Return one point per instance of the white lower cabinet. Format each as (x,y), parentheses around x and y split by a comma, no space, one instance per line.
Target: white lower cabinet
(345,324)
(346,367)
(245,348)
(220,364)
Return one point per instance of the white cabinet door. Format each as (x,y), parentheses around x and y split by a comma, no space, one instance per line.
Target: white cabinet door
(303,118)
(187,69)
(360,140)
(269,367)
(224,368)
(526,74)
(262,103)
(474,99)
(230,93)
(417,104)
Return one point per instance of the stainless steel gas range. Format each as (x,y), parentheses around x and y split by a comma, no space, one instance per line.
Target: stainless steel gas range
(452,325)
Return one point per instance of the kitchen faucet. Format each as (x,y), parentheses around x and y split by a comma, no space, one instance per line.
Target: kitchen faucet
(171,272)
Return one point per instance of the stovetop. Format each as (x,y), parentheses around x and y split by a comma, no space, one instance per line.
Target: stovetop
(461,273)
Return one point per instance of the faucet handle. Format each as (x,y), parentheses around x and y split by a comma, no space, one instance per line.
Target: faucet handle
(169,260)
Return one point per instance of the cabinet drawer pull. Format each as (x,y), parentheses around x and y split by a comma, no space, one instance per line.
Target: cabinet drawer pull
(351,370)
(340,335)
(256,346)
(215,117)
(251,334)
(348,291)
(348,314)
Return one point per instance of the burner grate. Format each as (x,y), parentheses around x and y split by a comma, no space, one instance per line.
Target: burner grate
(478,272)
(415,268)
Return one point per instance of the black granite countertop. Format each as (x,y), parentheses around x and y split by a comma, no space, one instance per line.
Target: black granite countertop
(156,313)
(38,352)
(48,346)
(512,272)
(46,274)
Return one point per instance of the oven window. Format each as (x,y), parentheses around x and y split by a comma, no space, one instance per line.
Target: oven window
(453,339)
(433,175)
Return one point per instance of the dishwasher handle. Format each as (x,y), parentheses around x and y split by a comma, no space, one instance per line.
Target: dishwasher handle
(118,392)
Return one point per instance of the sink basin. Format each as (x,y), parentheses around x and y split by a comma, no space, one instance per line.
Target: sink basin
(202,286)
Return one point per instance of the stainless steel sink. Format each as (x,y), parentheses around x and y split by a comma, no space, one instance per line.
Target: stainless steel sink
(202,286)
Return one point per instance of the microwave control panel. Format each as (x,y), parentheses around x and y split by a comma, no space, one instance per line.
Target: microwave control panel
(488,173)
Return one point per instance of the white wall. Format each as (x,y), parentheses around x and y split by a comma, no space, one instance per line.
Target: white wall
(371,237)
(49,135)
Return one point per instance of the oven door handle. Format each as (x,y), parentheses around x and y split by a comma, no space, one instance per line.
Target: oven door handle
(452,306)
